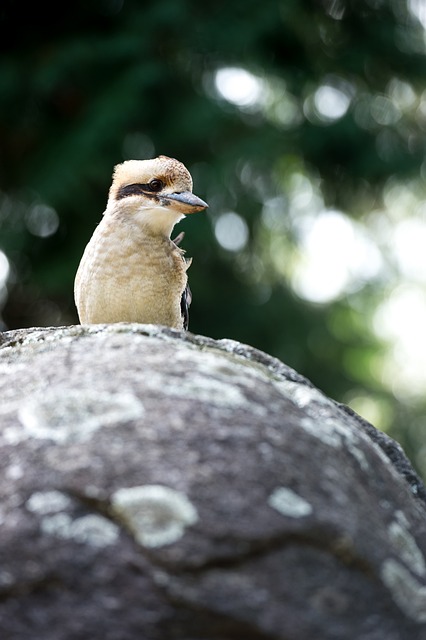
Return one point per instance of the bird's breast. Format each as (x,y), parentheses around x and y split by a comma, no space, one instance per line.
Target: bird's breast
(130,277)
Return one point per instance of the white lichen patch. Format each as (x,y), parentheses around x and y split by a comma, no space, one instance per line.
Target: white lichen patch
(301,394)
(406,590)
(316,428)
(93,530)
(74,415)
(406,547)
(14,471)
(155,514)
(200,386)
(211,390)
(358,454)
(402,519)
(44,502)
(289,503)
(207,376)
(229,345)
(336,435)
(41,336)
(145,330)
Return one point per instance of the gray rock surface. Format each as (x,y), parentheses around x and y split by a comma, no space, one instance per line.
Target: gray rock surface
(164,486)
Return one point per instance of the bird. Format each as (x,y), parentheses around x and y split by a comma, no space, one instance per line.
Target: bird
(131,270)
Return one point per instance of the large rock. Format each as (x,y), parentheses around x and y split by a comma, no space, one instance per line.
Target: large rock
(158,485)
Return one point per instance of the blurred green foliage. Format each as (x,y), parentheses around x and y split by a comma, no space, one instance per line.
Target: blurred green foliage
(337,112)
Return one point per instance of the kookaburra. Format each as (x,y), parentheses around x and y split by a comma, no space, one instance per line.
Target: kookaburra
(131,271)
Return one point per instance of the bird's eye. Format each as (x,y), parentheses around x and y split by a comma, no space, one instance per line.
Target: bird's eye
(156,185)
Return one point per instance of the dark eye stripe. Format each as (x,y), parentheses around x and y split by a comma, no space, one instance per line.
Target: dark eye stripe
(135,190)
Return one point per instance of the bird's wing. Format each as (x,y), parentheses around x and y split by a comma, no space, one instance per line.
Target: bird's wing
(186,299)
(185,302)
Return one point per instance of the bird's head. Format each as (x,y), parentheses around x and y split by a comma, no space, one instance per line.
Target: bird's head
(157,192)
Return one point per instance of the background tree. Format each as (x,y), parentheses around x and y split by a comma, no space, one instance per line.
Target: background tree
(304,126)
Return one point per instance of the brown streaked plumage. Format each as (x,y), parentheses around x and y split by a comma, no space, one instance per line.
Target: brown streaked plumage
(131,271)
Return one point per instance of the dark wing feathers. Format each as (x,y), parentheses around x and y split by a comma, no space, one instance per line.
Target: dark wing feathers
(186,299)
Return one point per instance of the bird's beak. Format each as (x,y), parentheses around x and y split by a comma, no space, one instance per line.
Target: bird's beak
(185,202)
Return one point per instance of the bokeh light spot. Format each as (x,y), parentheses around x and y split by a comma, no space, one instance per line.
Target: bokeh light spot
(238,86)
(231,231)
(401,319)
(384,111)
(330,102)
(336,257)
(417,8)
(4,268)
(42,221)
(409,242)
